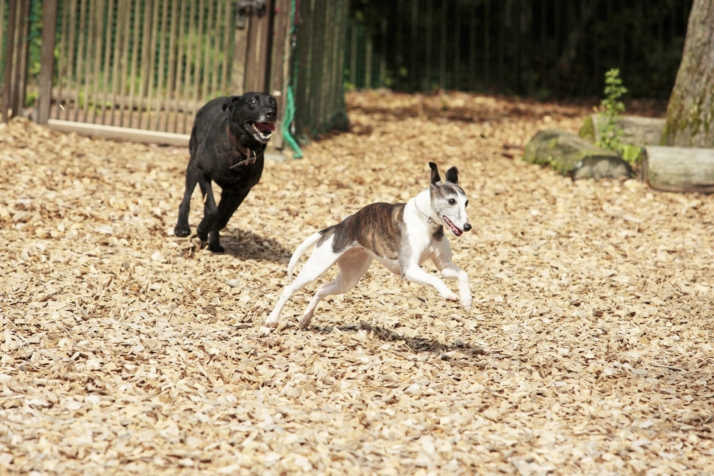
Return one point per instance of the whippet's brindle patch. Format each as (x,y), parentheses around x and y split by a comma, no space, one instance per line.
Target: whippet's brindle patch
(401,236)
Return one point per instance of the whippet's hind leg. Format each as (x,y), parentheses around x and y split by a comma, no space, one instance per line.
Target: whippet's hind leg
(353,265)
(321,259)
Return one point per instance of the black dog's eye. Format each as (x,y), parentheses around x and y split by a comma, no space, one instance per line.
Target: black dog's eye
(452,201)
(253,102)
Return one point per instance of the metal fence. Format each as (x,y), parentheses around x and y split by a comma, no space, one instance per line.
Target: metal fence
(140,63)
(541,48)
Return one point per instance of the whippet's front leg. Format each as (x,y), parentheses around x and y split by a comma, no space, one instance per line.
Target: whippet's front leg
(442,260)
(415,274)
(450,271)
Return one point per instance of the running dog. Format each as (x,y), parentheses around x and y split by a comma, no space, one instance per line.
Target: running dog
(227,144)
(400,236)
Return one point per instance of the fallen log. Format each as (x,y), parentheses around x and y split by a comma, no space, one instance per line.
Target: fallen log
(562,150)
(679,169)
(636,130)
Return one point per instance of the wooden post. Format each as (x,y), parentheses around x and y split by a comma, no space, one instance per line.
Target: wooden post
(49,24)
(240,53)
(258,55)
(279,62)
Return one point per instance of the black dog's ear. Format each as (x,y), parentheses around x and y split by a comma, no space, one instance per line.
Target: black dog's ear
(229,100)
(434,173)
(452,175)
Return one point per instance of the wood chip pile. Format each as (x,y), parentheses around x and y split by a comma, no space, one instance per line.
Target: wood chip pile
(126,350)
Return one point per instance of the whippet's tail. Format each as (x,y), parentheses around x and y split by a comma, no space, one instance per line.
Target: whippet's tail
(306,245)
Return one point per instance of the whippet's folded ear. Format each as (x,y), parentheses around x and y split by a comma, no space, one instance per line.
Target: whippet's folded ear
(229,100)
(452,175)
(435,177)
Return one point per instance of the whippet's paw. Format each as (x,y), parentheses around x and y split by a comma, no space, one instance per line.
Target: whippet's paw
(450,297)
(270,323)
(182,231)
(466,303)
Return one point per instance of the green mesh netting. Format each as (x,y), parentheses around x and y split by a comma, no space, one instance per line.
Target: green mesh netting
(317,76)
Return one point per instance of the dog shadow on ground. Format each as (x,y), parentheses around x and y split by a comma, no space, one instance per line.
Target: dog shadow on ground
(416,344)
(246,245)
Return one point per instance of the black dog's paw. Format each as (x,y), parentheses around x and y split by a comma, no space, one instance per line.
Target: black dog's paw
(182,231)
(216,248)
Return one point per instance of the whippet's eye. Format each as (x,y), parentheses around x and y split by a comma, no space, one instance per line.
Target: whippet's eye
(452,201)
(466,204)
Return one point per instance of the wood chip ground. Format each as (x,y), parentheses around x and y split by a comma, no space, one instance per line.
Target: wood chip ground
(125,350)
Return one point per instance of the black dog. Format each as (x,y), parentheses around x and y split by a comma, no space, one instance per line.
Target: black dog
(227,144)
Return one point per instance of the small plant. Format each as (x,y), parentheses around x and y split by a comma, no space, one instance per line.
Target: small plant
(611,109)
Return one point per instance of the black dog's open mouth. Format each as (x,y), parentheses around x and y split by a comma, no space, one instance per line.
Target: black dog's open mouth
(260,130)
(453,227)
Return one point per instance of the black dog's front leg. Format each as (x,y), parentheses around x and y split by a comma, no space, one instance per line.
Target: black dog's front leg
(210,210)
(230,201)
(182,228)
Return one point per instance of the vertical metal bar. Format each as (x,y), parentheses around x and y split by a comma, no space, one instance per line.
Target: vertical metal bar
(413,73)
(368,58)
(146,58)
(472,48)
(215,72)
(227,26)
(187,78)
(71,72)
(162,60)
(9,49)
(49,25)
(124,58)
(398,83)
(180,70)
(443,51)
(426,86)
(152,55)
(116,58)
(87,28)
(97,45)
(207,57)
(197,76)
(107,58)
(501,43)
(457,49)
(134,59)
(170,86)
(487,45)
(383,56)
(79,69)
(61,60)
(2,31)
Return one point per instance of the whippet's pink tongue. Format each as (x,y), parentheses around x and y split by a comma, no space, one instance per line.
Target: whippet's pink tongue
(265,126)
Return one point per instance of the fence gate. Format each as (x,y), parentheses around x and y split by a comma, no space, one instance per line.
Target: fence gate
(140,69)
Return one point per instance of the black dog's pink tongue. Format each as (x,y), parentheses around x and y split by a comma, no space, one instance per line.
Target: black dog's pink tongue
(265,126)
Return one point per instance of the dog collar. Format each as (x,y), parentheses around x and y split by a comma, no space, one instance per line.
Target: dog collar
(250,155)
(429,219)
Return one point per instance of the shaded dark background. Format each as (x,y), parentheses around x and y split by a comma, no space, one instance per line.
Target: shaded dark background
(538,48)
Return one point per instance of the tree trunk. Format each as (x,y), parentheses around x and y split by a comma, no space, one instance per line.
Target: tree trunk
(690,113)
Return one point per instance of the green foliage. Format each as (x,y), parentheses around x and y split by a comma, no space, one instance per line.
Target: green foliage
(611,109)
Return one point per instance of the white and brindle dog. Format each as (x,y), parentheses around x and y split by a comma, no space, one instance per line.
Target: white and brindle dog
(401,236)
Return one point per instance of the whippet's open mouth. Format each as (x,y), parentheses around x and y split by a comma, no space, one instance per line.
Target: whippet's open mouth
(453,227)
(260,130)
